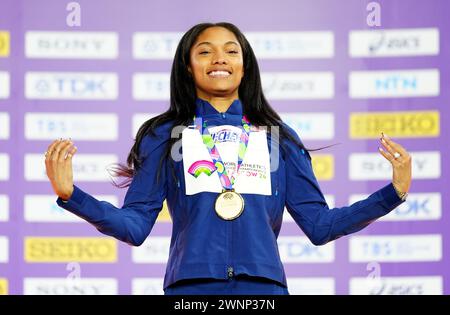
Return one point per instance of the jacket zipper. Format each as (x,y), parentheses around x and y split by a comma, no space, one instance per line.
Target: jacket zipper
(230,269)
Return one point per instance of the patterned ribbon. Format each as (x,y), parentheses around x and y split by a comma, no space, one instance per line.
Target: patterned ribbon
(226,180)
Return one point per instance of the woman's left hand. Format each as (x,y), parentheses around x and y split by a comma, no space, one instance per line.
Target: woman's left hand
(400,160)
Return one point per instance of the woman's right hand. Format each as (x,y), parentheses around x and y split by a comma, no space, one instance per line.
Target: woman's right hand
(58,165)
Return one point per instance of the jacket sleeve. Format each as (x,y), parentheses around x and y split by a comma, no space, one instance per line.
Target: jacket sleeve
(143,201)
(307,206)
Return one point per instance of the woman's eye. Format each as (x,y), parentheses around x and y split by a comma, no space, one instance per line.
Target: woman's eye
(233,52)
(204,52)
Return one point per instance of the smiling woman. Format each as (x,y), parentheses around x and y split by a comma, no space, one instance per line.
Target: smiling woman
(217,65)
(225,199)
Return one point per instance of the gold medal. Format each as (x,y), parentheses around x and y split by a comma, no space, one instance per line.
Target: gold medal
(229,205)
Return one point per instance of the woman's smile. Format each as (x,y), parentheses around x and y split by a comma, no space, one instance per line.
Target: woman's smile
(219,74)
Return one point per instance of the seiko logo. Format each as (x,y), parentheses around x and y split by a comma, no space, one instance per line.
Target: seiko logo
(70,249)
(405,123)
(3,43)
(59,249)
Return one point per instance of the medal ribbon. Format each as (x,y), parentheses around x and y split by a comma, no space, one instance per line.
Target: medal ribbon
(226,180)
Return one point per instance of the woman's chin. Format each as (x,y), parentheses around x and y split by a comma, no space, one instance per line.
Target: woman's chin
(222,89)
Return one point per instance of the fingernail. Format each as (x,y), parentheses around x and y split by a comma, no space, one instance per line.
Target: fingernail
(380,149)
(382,140)
(386,136)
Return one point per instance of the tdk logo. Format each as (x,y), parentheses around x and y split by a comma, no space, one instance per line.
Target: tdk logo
(302,250)
(73,86)
(415,207)
(225,135)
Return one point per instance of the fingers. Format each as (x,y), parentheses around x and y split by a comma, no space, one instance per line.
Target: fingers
(387,155)
(71,153)
(391,149)
(392,146)
(54,157)
(52,145)
(58,150)
(387,145)
(64,150)
(51,149)
(402,165)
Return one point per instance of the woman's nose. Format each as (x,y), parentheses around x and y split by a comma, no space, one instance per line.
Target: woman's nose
(220,58)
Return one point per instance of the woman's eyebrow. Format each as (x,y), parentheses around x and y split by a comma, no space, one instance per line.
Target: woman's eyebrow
(208,43)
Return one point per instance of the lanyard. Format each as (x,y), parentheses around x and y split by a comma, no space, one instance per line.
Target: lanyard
(226,180)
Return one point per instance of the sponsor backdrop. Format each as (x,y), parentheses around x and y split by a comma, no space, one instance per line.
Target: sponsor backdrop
(332,76)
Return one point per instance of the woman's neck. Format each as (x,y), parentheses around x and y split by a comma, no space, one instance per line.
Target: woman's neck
(221,104)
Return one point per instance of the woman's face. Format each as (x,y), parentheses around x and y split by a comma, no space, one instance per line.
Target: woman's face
(216,63)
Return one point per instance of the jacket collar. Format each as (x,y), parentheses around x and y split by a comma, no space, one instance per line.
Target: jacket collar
(204,108)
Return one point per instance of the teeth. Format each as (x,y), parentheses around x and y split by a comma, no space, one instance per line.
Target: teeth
(219,73)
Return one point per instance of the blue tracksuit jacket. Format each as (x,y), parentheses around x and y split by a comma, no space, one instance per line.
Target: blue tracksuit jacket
(205,246)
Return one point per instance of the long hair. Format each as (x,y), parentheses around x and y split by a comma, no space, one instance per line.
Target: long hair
(183,100)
